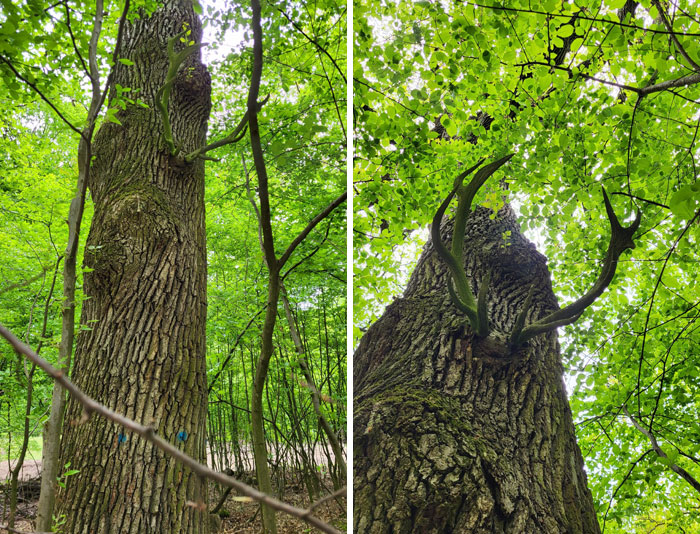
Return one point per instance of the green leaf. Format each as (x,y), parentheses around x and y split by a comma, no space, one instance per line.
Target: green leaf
(566,30)
(125,61)
(110,116)
(450,126)
(684,202)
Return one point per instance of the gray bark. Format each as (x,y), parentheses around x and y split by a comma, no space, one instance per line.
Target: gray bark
(141,351)
(454,433)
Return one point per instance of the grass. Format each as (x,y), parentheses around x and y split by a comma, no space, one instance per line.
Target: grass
(33,450)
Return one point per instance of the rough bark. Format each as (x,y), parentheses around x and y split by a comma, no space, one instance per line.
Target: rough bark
(454,433)
(141,350)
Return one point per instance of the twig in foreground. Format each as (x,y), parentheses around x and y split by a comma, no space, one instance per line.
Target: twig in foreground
(90,405)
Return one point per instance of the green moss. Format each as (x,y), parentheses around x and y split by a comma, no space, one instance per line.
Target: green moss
(414,410)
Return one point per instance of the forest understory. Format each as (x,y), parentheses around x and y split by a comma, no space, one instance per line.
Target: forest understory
(236,517)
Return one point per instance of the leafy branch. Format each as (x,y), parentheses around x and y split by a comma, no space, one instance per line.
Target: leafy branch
(674,36)
(609,21)
(236,135)
(661,454)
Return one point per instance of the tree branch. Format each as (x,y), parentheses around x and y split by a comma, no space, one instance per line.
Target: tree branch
(24,283)
(680,47)
(309,255)
(683,81)
(641,199)
(458,285)
(582,17)
(302,235)
(163,94)
(255,142)
(620,240)
(94,74)
(115,54)
(230,352)
(41,95)
(659,451)
(72,38)
(235,136)
(314,42)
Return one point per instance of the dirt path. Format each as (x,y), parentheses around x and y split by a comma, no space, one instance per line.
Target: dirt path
(30,469)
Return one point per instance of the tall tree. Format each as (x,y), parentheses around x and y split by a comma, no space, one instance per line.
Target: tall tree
(462,422)
(141,350)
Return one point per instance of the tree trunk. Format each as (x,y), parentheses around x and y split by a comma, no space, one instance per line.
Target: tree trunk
(454,433)
(257,424)
(141,350)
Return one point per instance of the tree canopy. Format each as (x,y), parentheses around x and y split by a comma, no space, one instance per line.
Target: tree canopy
(587,94)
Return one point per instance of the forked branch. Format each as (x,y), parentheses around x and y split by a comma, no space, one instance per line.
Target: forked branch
(620,240)
(163,96)
(458,284)
(473,307)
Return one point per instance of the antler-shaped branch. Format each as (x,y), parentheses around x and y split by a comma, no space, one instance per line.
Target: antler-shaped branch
(458,284)
(620,240)
(163,94)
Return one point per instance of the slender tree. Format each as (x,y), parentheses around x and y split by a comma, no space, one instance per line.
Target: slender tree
(274,266)
(54,425)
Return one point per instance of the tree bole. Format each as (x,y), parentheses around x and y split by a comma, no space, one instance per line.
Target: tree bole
(141,349)
(457,433)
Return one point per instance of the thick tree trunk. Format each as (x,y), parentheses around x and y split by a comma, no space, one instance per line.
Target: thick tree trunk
(454,433)
(142,348)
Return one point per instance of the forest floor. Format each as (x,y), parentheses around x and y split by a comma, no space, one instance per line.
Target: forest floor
(237,517)
(244,518)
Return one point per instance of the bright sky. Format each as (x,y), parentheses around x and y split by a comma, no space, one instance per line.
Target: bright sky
(232,38)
